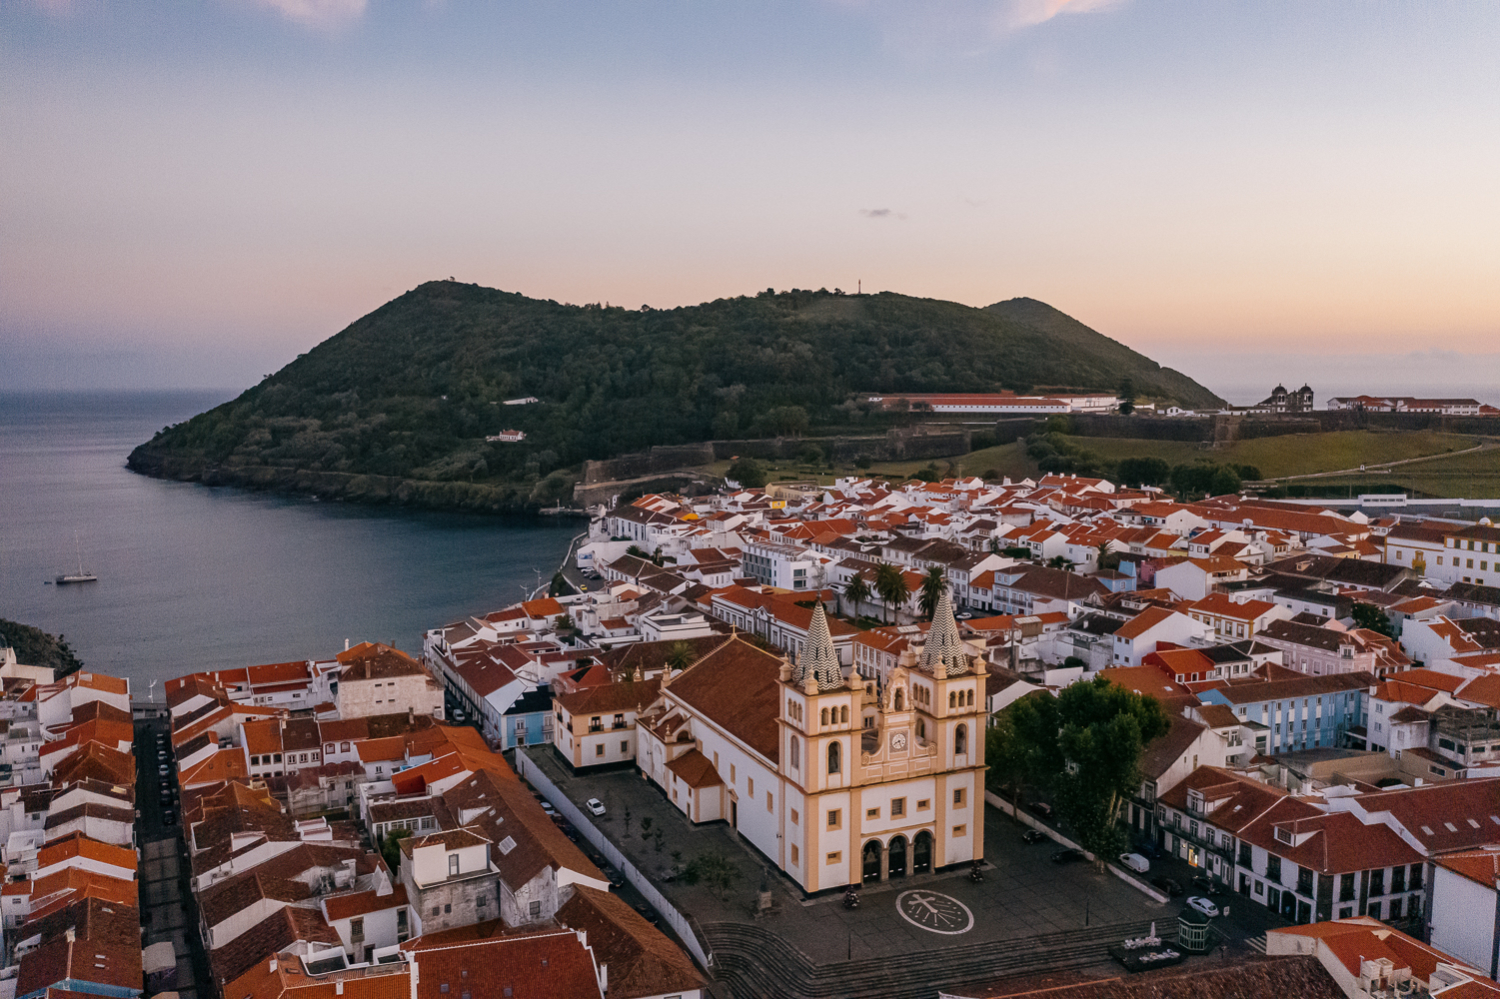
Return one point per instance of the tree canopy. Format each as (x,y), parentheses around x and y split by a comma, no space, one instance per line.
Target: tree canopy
(1083,747)
(34,647)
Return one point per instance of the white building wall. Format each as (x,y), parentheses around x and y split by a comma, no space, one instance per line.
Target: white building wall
(1462,918)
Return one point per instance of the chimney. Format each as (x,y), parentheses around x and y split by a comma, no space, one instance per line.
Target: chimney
(338,987)
(346,645)
(273,964)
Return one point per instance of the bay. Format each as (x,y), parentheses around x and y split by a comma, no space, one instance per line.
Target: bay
(194,578)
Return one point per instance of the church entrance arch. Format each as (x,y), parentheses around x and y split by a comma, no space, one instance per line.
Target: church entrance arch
(872,861)
(896,868)
(921,853)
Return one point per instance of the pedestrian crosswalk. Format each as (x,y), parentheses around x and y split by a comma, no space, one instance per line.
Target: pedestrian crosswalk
(1258,943)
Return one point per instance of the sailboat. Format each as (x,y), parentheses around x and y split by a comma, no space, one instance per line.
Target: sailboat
(80,576)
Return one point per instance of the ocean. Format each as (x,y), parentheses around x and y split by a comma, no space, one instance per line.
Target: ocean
(195,578)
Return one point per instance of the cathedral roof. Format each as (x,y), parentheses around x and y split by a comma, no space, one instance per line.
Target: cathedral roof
(943,644)
(818,657)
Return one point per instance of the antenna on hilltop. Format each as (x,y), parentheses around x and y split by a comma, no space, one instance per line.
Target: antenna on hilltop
(859,286)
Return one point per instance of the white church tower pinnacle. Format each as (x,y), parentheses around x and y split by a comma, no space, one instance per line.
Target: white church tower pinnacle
(818,659)
(945,653)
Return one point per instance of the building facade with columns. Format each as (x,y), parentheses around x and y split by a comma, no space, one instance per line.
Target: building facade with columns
(835,778)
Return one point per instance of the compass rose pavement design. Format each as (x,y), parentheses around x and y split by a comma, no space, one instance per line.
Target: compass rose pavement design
(935,912)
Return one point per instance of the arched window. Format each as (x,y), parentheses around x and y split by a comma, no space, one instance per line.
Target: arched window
(835,758)
(898,699)
(961,739)
(952,702)
(971,698)
(843,716)
(823,717)
(921,729)
(796,753)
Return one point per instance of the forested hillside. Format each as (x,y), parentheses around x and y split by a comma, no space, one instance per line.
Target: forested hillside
(411,390)
(34,647)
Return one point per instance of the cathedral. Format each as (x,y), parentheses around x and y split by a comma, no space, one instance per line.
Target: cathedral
(835,779)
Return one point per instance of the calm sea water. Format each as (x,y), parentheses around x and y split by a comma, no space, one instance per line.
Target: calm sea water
(195,578)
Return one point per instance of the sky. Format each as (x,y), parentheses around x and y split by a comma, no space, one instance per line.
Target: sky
(192,192)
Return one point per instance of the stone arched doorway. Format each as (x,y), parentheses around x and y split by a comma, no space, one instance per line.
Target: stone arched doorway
(871,856)
(921,853)
(896,865)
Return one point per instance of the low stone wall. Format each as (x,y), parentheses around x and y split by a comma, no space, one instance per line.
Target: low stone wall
(656,461)
(686,928)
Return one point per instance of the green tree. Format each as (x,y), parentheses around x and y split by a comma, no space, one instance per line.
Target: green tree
(1085,746)
(1372,617)
(934,585)
(680,656)
(1107,558)
(857,592)
(1225,480)
(747,472)
(891,584)
(1143,472)
(390,847)
(560,586)
(1012,759)
(714,871)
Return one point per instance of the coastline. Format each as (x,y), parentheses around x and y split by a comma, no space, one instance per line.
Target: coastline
(349,487)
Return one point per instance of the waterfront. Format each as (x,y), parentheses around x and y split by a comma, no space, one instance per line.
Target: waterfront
(197,578)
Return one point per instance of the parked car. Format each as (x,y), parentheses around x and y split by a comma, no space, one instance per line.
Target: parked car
(1068,856)
(169,818)
(1203,905)
(615,879)
(547,807)
(648,914)
(1135,862)
(1167,886)
(595,806)
(1147,849)
(1207,886)
(1041,808)
(1034,836)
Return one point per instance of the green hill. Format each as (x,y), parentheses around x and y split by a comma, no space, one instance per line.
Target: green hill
(34,647)
(400,402)
(1099,354)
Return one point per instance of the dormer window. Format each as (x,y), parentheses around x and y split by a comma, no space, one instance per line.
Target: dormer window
(1284,835)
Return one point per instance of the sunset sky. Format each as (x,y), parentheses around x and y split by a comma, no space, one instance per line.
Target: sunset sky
(191,193)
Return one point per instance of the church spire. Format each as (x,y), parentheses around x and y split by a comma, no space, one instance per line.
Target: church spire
(944,647)
(818,659)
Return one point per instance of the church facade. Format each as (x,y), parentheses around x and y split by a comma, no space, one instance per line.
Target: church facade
(837,780)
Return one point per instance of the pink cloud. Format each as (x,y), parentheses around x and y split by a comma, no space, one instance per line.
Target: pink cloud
(926,27)
(321,14)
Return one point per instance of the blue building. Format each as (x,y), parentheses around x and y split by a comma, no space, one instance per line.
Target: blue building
(1292,712)
(528,722)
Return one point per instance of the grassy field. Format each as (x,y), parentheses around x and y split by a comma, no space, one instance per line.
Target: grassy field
(1476,476)
(1298,454)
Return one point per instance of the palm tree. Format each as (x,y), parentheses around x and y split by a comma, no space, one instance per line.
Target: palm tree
(934,584)
(680,656)
(890,583)
(858,592)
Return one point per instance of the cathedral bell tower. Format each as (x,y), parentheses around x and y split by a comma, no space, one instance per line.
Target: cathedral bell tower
(949,689)
(820,714)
